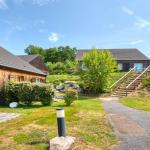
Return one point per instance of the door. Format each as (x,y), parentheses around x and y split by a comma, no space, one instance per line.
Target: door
(126,67)
(138,67)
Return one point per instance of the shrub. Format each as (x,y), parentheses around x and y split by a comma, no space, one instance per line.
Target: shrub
(98,66)
(46,95)
(68,67)
(11,91)
(146,82)
(56,79)
(59,68)
(70,96)
(26,93)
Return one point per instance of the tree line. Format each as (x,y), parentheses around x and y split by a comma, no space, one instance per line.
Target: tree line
(55,54)
(59,60)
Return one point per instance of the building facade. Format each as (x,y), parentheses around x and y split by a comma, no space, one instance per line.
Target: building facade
(126,58)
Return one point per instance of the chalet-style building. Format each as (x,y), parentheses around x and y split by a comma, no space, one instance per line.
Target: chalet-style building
(16,69)
(126,58)
(36,61)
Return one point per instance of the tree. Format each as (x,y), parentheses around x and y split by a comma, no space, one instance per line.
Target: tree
(60,54)
(98,67)
(55,54)
(51,55)
(32,49)
(66,53)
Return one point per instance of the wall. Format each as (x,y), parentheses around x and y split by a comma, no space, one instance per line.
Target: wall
(19,76)
(145,63)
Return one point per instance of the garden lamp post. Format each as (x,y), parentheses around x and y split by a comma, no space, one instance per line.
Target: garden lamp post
(61,122)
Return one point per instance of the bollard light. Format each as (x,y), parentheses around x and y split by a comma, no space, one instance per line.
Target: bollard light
(61,122)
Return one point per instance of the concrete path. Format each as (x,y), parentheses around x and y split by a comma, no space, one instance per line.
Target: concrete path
(132,126)
(7,116)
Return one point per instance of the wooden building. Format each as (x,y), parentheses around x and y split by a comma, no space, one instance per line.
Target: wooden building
(16,69)
(126,58)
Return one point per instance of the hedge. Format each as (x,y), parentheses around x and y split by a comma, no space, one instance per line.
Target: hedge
(26,93)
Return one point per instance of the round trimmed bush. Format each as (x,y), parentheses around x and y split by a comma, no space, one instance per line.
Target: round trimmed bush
(70,96)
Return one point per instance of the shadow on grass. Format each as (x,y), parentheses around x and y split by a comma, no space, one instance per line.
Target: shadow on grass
(36,105)
(25,106)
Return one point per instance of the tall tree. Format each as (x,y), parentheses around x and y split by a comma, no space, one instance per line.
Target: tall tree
(32,49)
(60,54)
(98,67)
(67,53)
(51,55)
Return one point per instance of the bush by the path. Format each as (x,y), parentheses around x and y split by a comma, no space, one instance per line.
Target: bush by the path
(70,96)
(26,93)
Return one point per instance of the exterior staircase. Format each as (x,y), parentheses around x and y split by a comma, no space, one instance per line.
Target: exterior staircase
(129,82)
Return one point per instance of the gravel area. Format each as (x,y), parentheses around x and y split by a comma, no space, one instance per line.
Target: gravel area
(7,116)
(132,126)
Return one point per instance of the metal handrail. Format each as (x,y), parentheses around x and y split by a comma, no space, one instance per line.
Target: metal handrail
(122,77)
(137,77)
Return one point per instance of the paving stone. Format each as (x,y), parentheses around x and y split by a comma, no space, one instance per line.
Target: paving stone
(7,116)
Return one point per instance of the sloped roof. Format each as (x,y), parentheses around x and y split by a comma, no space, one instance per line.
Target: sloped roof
(9,60)
(28,58)
(118,54)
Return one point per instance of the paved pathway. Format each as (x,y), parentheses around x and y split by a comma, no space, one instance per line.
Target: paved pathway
(132,126)
(7,116)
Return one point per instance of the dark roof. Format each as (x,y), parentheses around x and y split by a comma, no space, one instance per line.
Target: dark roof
(118,54)
(9,60)
(28,58)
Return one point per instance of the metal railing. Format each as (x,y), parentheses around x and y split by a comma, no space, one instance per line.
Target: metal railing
(122,78)
(136,79)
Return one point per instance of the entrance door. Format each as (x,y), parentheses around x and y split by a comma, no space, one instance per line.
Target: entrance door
(126,67)
(138,67)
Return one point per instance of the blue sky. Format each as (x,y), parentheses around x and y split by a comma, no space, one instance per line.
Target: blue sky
(79,23)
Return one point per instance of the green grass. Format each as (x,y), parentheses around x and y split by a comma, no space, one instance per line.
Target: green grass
(85,119)
(59,78)
(116,76)
(140,103)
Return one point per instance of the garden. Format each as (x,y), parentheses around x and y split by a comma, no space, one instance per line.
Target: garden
(71,86)
(85,120)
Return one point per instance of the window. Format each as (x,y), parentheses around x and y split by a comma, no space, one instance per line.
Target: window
(138,67)
(120,66)
(21,78)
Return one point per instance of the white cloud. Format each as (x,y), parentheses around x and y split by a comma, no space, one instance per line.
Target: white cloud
(53,37)
(127,11)
(142,23)
(3,4)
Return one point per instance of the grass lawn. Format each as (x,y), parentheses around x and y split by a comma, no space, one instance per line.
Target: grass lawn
(85,119)
(137,103)
(65,77)
(116,76)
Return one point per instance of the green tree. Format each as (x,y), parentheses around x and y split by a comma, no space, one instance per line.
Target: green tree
(32,49)
(51,55)
(98,67)
(72,67)
(66,53)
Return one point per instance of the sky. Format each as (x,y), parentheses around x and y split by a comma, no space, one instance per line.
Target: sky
(77,23)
